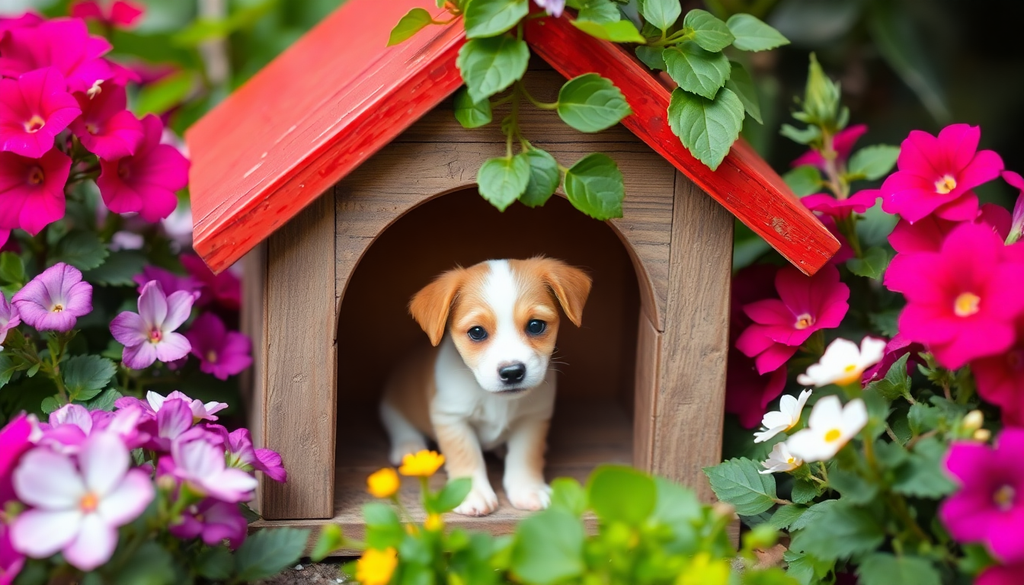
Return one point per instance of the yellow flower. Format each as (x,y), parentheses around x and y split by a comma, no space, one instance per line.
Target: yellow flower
(422,464)
(703,570)
(383,483)
(376,566)
(433,523)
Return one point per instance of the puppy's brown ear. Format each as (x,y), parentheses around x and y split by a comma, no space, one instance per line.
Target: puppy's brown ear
(431,305)
(570,285)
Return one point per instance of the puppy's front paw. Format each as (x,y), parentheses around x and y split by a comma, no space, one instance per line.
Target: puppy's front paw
(530,497)
(481,501)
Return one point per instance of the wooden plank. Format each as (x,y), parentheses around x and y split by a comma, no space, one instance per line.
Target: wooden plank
(647,375)
(744,183)
(689,409)
(299,407)
(253,322)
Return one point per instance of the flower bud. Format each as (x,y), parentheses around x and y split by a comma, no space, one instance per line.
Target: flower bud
(973,421)
(982,435)
(821,98)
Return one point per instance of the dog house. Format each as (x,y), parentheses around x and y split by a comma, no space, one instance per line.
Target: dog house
(342,178)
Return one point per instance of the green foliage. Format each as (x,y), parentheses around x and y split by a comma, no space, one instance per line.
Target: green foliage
(697,70)
(469,113)
(548,547)
(267,552)
(503,180)
(490,65)
(707,127)
(743,86)
(886,568)
(591,103)
(872,265)
(414,21)
(804,180)
(82,249)
(751,34)
(873,162)
(739,482)
(488,18)
(85,376)
(620,31)
(621,494)
(545,176)
(449,497)
(661,13)
(708,31)
(594,185)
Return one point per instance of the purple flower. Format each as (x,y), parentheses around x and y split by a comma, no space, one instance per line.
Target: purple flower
(11,561)
(105,127)
(55,299)
(214,521)
(173,419)
(77,510)
(221,352)
(170,281)
(242,454)
(201,465)
(224,289)
(200,410)
(552,7)
(71,424)
(9,318)
(149,335)
(15,439)
(989,507)
(34,109)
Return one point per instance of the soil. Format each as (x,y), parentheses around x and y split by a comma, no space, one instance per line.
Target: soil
(328,573)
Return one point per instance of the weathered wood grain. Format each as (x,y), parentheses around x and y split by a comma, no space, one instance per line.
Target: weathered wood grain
(253,322)
(648,376)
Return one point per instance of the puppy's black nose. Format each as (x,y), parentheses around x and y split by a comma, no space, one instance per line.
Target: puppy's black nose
(512,373)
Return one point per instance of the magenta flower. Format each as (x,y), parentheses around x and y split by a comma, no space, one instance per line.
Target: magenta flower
(961,301)
(221,352)
(27,20)
(897,347)
(552,7)
(170,281)
(34,109)
(149,335)
(1000,378)
(1001,575)
(242,454)
(224,289)
(172,420)
(936,174)
(55,299)
(105,127)
(70,425)
(146,181)
(842,143)
(747,392)
(15,439)
(841,208)
(806,304)
(214,521)
(989,507)
(11,561)
(200,410)
(1017,227)
(201,465)
(61,43)
(32,190)
(117,14)
(9,318)
(77,510)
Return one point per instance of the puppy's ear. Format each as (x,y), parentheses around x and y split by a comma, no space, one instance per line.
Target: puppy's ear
(431,305)
(570,285)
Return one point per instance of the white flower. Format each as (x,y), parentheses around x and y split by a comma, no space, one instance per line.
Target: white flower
(829,427)
(780,459)
(778,421)
(843,363)
(200,410)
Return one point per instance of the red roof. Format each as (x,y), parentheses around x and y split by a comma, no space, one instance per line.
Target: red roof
(339,95)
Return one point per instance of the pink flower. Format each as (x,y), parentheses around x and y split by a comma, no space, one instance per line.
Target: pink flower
(77,510)
(897,347)
(961,301)
(146,181)
(105,127)
(55,299)
(552,7)
(118,14)
(200,410)
(62,43)
(27,20)
(806,305)
(32,190)
(9,318)
(842,143)
(214,521)
(34,109)
(989,507)
(149,335)
(936,175)
(1000,378)
(841,208)
(11,561)
(221,352)
(14,441)
(242,454)
(172,420)
(845,249)
(201,465)
(1017,228)
(70,425)
(170,281)
(225,288)
(1001,575)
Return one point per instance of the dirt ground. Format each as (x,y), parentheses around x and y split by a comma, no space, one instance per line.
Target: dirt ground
(310,574)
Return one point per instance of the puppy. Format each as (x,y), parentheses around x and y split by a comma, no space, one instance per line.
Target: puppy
(486,382)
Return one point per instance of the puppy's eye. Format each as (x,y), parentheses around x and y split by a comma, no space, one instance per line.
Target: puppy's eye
(536,327)
(477,333)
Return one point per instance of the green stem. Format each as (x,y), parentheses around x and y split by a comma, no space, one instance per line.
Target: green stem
(537,103)
(824,472)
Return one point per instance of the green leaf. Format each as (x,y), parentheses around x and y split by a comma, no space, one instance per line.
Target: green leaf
(410,24)
(872,265)
(382,526)
(661,13)
(491,65)
(804,491)
(215,563)
(50,404)
(330,540)
(885,569)
(469,113)
(548,548)
(7,369)
(544,178)
(696,70)
(753,35)
(598,11)
(806,569)
(786,515)
(502,180)
(923,475)
(119,269)
(591,103)
(923,418)
(804,180)
(105,400)
(738,482)
(81,249)
(742,85)
(804,136)
(873,162)
(150,564)
(621,494)
(265,553)
(896,383)
(853,488)
(451,495)
(708,30)
(707,128)
(488,18)
(163,95)
(85,375)
(12,269)
(568,494)
(594,186)
(838,531)
(620,31)
(652,57)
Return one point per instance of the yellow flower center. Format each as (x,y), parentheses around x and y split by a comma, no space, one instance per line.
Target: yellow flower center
(945,185)
(36,176)
(35,124)
(791,460)
(1004,497)
(833,435)
(804,321)
(211,356)
(89,502)
(57,308)
(850,374)
(966,304)
(376,566)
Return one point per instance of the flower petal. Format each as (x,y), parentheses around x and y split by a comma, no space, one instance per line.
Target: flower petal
(179,307)
(153,304)
(173,346)
(127,500)
(48,480)
(94,546)
(138,357)
(129,329)
(104,460)
(41,533)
